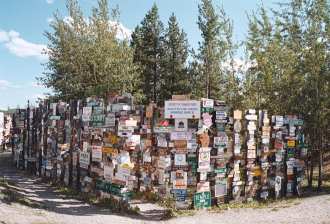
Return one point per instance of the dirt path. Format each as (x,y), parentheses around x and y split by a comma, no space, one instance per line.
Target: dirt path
(58,210)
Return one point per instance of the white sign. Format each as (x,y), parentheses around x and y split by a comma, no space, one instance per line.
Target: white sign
(133,140)
(179,178)
(182,109)
(180,160)
(96,153)
(181,124)
(180,135)
(87,112)
(203,186)
(124,131)
(207,103)
(110,120)
(108,172)
(84,159)
(204,159)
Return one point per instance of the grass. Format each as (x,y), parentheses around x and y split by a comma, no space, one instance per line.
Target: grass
(116,206)
(9,193)
(272,204)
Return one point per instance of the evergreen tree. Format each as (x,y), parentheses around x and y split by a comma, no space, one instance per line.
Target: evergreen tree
(147,40)
(174,77)
(214,50)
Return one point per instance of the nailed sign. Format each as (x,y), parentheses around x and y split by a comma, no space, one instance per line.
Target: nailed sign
(202,200)
(84,159)
(182,109)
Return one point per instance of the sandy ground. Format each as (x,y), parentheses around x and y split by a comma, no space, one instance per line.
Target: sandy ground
(59,210)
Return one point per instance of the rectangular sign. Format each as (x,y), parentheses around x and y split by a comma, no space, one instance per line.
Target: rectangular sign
(202,199)
(189,109)
(96,153)
(84,159)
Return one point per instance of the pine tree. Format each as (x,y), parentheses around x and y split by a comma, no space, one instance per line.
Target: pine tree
(174,77)
(147,40)
(214,50)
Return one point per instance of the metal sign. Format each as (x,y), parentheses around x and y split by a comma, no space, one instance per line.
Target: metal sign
(189,109)
(202,200)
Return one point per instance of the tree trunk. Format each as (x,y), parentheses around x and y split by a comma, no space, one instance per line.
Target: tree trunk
(310,177)
(319,183)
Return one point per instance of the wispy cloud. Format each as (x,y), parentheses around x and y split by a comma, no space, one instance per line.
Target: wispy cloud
(50,19)
(20,47)
(50,1)
(239,65)
(5,84)
(122,32)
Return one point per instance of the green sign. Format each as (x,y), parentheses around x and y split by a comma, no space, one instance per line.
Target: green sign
(220,170)
(54,118)
(202,199)
(192,162)
(97,120)
(207,110)
(110,188)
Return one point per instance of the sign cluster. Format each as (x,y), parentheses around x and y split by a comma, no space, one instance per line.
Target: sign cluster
(200,153)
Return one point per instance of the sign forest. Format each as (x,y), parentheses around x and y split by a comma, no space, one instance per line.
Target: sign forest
(200,153)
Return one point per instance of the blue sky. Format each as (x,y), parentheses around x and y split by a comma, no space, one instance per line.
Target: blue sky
(23,22)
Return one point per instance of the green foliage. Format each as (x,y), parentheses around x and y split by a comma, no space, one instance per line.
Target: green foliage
(86,58)
(147,41)
(292,72)
(174,78)
(212,68)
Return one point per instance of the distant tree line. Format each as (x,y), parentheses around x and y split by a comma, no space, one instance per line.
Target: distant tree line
(286,70)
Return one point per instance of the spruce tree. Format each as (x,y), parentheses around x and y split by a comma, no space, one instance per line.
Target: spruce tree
(214,50)
(174,71)
(148,49)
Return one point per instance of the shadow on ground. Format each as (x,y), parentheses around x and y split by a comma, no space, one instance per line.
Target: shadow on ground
(28,190)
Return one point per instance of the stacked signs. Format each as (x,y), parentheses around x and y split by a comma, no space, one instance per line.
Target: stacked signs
(253,170)
(294,166)
(238,157)
(223,150)
(184,112)
(264,123)
(148,150)
(187,148)
(202,197)
(278,145)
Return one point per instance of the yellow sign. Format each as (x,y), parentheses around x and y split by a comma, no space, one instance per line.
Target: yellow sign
(109,150)
(291,143)
(111,138)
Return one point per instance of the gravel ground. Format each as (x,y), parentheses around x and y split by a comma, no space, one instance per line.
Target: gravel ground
(59,210)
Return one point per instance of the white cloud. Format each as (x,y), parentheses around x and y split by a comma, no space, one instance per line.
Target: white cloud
(239,65)
(38,96)
(122,31)
(3,36)
(50,1)
(4,85)
(20,47)
(50,19)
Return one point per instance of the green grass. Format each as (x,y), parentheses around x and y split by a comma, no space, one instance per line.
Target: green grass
(111,203)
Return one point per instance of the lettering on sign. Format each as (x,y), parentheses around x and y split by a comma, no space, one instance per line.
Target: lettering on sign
(84,159)
(189,109)
(96,153)
(202,200)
